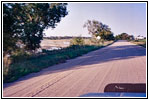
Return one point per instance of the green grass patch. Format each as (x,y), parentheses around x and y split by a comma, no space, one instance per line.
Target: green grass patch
(24,64)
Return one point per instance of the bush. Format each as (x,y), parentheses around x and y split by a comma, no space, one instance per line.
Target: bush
(141,42)
(77,41)
(19,55)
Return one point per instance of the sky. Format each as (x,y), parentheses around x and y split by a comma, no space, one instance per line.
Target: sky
(120,17)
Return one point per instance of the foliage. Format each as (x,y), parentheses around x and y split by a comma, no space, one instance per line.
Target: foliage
(108,36)
(35,63)
(27,21)
(96,28)
(124,36)
(141,42)
(9,39)
(77,41)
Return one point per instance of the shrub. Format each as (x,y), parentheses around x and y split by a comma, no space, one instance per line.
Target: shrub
(77,41)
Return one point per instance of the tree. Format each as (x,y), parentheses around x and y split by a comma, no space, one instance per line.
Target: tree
(93,27)
(9,39)
(109,37)
(124,36)
(28,21)
(97,28)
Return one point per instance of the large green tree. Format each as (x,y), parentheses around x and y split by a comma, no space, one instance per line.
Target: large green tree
(9,39)
(27,21)
(96,28)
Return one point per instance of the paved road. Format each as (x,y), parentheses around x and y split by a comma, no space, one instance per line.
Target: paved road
(121,62)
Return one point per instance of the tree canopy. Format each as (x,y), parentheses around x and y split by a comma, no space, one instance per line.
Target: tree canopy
(96,28)
(124,36)
(27,21)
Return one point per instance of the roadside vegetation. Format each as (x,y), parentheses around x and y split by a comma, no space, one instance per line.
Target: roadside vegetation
(24,63)
(77,41)
(124,36)
(131,38)
(23,26)
(141,42)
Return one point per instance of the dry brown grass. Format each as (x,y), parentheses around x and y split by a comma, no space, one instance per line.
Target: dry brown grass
(140,42)
(47,43)
(107,42)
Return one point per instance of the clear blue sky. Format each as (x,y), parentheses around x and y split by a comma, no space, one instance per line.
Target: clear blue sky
(121,17)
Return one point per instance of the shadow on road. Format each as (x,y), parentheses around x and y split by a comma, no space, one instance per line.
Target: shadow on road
(114,53)
(101,56)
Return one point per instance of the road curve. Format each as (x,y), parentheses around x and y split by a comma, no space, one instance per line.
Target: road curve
(120,63)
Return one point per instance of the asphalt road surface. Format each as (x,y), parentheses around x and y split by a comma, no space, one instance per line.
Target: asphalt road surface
(120,63)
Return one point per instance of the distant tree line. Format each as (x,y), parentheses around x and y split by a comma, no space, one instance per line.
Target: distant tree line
(64,37)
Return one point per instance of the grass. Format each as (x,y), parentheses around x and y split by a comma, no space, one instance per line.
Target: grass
(24,64)
(141,42)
